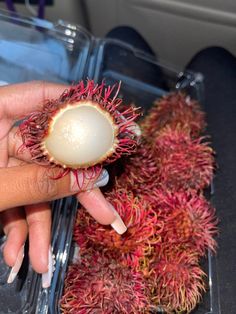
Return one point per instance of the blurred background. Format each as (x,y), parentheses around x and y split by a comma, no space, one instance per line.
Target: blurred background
(175,29)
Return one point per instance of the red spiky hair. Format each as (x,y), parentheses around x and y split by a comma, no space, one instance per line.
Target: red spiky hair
(184,163)
(142,223)
(175,109)
(188,219)
(39,125)
(177,281)
(101,285)
(141,170)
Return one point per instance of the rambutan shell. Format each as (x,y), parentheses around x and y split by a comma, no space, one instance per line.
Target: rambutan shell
(177,282)
(101,285)
(141,221)
(174,110)
(141,170)
(188,219)
(81,129)
(184,163)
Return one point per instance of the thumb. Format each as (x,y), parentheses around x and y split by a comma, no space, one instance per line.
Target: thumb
(32,184)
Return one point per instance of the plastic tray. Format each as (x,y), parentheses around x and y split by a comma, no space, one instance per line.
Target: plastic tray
(66,53)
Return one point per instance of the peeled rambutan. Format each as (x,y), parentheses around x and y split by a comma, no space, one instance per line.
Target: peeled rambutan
(177,281)
(100,285)
(184,163)
(175,109)
(142,223)
(82,129)
(188,219)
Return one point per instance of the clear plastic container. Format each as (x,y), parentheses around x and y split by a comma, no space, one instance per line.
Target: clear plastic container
(32,49)
(37,49)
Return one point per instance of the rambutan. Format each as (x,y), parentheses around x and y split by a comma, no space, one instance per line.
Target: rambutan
(141,170)
(188,219)
(79,232)
(142,223)
(177,282)
(82,129)
(170,224)
(174,110)
(184,163)
(100,285)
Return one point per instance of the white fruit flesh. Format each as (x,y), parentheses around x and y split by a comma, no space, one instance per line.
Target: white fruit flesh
(80,135)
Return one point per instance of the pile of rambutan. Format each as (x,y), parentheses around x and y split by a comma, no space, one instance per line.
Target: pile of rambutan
(159,193)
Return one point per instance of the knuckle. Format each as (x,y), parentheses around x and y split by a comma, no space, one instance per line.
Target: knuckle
(43,185)
(41,86)
(35,222)
(39,83)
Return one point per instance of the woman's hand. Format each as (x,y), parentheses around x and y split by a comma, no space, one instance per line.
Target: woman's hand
(26,188)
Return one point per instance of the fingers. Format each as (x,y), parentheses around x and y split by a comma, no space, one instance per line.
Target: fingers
(33,184)
(3,151)
(15,228)
(101,210)
(15,144)
(39,224)
(13,162)
(18,100)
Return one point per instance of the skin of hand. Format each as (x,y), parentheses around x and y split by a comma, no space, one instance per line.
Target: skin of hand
(26,188)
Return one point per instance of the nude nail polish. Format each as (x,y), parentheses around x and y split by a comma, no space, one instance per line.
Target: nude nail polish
(102,180)
(47,277)
(15,269)
(118,224)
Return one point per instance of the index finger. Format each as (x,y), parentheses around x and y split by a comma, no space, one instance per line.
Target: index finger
(17,100)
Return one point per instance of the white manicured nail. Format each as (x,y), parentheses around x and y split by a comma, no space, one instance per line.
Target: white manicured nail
(102,180)
(76,254)
(118,224)
(47,277)
(15,269)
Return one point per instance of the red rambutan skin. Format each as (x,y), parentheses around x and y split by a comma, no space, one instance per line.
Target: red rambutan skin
(174,110)
(141,221)
(170,223)
(100,285)
(184,163)
(188,219)
(37,125)
(141,170)
(177,281)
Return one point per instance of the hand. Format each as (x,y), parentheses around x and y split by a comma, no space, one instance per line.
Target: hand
(26,188)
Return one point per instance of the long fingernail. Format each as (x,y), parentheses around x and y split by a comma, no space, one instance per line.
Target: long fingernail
(118,224)
(47,277)
(102,180)
(76,254)
(15,269)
